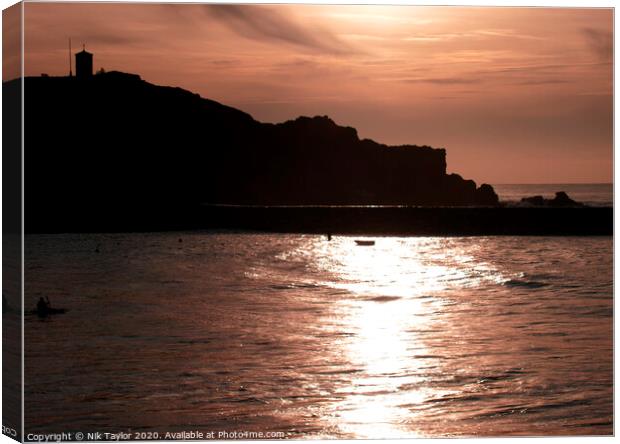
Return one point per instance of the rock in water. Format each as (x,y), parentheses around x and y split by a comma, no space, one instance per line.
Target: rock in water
(534,200)
(486,195)
(561,199)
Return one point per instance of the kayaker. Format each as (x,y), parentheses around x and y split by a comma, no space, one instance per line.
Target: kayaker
(44,305)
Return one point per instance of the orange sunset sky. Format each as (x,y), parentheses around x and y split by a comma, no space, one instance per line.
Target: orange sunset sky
(515,95)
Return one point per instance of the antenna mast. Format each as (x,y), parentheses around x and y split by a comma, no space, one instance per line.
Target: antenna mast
(70,65)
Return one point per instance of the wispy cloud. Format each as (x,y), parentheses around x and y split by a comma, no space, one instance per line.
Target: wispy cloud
(444,80)
(260,22)
(479,34)
(542,82)
(600,42)
(507,33)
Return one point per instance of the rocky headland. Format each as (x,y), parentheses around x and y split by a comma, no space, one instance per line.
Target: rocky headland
(116,153)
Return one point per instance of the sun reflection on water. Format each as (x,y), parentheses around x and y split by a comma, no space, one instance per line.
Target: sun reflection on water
(400,267)
(382,348)
(395,290)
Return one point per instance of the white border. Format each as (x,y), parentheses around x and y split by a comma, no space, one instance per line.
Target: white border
(488,3)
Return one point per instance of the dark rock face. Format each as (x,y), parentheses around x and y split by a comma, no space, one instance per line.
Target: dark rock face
(112,147)
(561,199)
(486,196)
(534,200)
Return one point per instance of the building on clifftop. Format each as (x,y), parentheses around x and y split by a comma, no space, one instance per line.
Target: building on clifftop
(83,64)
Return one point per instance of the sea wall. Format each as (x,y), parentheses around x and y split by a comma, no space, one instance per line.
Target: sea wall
(379,221)
(416,221)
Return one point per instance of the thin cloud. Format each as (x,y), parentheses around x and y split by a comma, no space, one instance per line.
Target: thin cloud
(507,33)
(444,80)
(600,43)
(543,82)
(259,22)
(107,38)
(480,34)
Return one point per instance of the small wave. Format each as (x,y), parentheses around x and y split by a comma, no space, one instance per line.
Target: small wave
(250,399)
(524,283)
(194,341)
(539,408)
(383,298)
(347,371)
(599,312)
(451,399)
(294,286)
(465,379)
(335,334)
(429,357)
(551,333)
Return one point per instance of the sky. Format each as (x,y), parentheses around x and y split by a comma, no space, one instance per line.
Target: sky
(515,95)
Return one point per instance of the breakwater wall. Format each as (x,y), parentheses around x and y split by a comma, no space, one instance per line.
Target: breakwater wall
(461,221)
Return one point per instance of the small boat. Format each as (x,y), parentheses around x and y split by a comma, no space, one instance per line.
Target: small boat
(364,243)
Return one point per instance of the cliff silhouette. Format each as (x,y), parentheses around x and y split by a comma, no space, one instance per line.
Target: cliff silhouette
(116,147)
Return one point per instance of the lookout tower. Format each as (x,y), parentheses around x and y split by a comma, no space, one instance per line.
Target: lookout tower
(83,64)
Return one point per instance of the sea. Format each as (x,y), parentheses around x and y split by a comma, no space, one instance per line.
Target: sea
(597,194)
(255,335)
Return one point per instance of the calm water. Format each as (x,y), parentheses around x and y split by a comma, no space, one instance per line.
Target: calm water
(291,333)
(599,194)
